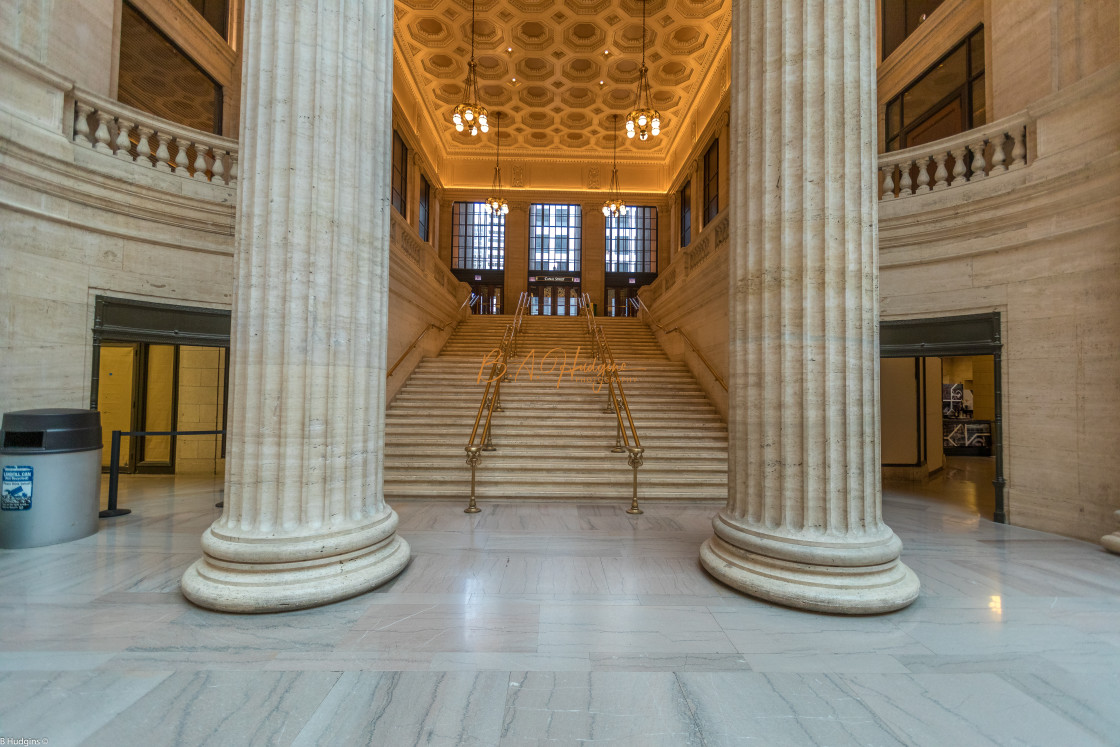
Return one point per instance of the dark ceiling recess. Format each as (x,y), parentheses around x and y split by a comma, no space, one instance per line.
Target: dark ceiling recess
(155,76)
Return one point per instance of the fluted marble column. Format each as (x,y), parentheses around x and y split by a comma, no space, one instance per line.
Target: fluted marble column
(304,521)
(803,524)
(1111,542)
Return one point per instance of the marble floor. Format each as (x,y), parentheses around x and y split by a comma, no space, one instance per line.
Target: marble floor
(559,624)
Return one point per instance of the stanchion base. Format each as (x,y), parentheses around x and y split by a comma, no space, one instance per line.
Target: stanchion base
(618,450)
(634,511)
(472,510)
(220,504)
(109,513)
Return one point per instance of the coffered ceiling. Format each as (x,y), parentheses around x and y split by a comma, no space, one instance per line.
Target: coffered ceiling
(557,71)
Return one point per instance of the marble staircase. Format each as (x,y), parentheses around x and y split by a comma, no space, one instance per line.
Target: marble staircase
(553,438)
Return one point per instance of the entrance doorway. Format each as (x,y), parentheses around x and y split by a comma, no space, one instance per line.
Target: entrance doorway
(158,367)
(554,296)
(941,392)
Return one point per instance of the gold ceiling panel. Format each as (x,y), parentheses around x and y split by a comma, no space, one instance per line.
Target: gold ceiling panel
(558,71)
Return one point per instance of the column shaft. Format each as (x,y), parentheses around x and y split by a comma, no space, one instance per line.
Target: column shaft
(803,522)
(305,521)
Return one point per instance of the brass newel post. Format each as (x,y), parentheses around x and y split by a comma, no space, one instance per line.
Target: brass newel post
(635,461)
(473,458)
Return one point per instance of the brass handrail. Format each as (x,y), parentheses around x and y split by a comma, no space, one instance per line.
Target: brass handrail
(616,398)
(491,399)
(691,344)
(426,330)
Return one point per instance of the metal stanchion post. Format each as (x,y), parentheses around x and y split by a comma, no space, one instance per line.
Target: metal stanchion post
(114,473)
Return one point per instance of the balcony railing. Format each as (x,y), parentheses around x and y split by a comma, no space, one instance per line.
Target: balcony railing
(969,157)
(129,134)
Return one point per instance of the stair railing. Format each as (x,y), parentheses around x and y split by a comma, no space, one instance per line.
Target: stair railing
(416,340)
(481,441)
(626,434)
(688,341)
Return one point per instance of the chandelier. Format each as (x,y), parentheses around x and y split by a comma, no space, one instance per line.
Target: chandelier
(614,207)
(644,120)
(497,205)
(470,115)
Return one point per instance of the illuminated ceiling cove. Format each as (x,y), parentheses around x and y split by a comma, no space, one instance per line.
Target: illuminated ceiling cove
(558,70)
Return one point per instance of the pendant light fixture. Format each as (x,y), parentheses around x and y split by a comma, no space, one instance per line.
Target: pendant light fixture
(614,206)
(644,120)
(470,115)
(495,202)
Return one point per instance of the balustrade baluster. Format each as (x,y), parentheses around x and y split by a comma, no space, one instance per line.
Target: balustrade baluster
(163,154)
(923,176)
(101,136)
(143,145)
(978,163)
(81,123)
(905,184)
(1019,150)
(232,169)
(941,174)
(181,157)
(200,162)
(123,143)
(999,158)
(219,167)
(888,183)
(959,166)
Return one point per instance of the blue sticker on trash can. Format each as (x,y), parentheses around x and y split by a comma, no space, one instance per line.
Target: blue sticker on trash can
(16,495)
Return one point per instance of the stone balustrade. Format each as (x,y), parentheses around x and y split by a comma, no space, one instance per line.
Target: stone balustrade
(971,156)
(129,134)
(710,242)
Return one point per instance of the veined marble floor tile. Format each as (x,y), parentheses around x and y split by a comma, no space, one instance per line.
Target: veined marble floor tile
(648,575)
(658,662)
(767,629)
(67,707)
(52,661)
(631,709)
(410,708)
(508,662)
(219,707)
(973,709)
(627,628)
(349,661)
(1088,701)
(446,627)
(464,572)
(539,574)
(733,708)
(608,622)
(562,598)
(82,627)
(202,630)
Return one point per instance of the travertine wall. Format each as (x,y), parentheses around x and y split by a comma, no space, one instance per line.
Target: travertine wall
(78,224)
(1039,245)
(690,295)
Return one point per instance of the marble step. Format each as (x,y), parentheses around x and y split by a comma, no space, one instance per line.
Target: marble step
(553,436)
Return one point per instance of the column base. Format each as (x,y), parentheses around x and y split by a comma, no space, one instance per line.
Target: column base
(263,586)
(843,590)
(1111,542)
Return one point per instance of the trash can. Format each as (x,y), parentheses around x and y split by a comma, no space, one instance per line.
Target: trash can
(51,465)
